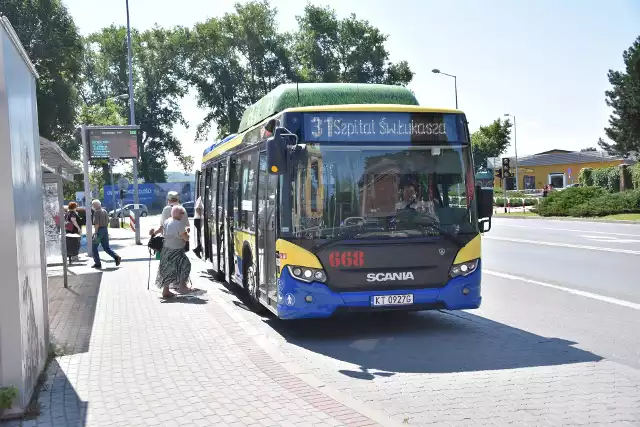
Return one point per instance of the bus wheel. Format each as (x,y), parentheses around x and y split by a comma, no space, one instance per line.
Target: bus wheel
(251,286)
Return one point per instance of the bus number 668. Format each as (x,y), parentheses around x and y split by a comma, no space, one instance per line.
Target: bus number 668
(346,259)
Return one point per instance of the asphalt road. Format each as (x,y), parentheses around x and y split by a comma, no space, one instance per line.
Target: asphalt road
(555,341)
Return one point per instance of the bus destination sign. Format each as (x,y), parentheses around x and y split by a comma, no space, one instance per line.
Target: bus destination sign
(382,127)
(109,143)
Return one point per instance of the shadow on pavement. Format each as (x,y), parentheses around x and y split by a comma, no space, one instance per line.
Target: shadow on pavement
(72,310)
(427,342)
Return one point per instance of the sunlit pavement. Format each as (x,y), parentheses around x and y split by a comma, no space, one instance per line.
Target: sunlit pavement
(554,343)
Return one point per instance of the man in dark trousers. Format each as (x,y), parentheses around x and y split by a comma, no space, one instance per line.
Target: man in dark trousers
(101,234)
(197,222)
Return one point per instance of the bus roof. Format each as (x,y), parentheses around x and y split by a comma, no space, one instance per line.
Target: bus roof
(292,95)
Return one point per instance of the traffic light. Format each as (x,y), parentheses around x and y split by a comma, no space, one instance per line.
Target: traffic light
(499,173)
(121,194)
(506,172)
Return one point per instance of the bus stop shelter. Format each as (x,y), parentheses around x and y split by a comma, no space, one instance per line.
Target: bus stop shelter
(57,168)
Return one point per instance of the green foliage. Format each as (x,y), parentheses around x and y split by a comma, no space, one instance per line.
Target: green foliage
(516,201)
(52,41)
(7,395)
(635,176)
(159,70)
(608,204)
(490,141)
(235,60)
(624,99)
(607,178)
(558,203)
(586,177)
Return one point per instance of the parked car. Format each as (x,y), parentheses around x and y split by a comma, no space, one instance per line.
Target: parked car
(126,211)
(188,207)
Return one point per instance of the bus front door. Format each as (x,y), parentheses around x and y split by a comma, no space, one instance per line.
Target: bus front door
(267,232)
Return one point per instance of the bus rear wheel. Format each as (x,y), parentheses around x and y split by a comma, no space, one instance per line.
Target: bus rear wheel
(250,285)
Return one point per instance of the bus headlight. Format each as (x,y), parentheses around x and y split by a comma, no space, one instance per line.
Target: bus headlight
(464,268)
(307,274)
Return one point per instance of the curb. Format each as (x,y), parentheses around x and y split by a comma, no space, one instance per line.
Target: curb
(560,218)
(272,350)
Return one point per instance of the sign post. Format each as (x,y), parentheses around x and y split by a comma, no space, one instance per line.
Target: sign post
(123,186)
(108,143)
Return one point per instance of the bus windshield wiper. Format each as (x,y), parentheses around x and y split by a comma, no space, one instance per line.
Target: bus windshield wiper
(343,234)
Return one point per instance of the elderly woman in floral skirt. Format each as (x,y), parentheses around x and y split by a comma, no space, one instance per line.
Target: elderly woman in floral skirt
(175,266)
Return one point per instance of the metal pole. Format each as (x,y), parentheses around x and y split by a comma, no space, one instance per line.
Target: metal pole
(87,190)
(63,231)
(515,145)
(113,189)
(455,85)
(132,119)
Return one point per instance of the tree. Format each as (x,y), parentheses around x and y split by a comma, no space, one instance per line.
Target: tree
(490,141)
(588,149)
(105,114)
(235,60)
(624,98)
(345,50)
(158,83)
(54,45)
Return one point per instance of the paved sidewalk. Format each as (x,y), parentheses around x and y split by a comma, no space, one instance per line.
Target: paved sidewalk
(136,360)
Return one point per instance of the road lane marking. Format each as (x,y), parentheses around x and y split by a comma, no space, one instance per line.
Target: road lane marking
(603,298)
(571,229)
(609,239)
(563,245)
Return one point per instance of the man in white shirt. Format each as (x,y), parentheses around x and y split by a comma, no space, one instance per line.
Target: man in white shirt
(197,221)
(173,200)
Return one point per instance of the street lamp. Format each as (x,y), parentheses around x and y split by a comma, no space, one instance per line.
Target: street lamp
(515,143)
(455,82)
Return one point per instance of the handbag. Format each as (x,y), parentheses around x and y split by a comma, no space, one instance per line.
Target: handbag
(156,243)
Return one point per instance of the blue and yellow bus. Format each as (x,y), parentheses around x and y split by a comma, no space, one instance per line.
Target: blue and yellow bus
(338,198)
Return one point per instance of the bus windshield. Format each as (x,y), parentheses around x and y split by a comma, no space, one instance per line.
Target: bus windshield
(377,191)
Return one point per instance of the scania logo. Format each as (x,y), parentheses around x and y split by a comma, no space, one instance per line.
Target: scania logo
(383,277)
(441,250)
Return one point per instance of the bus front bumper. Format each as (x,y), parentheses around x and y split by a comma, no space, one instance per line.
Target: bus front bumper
(300,300)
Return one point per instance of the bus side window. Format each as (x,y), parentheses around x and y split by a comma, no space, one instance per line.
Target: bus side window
(248,191)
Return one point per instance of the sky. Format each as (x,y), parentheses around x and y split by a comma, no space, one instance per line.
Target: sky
(543,61)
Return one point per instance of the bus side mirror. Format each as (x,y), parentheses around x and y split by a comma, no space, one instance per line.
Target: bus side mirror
(277,150)
(485,207)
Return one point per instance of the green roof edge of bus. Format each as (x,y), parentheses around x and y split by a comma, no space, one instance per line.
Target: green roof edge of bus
(311,94)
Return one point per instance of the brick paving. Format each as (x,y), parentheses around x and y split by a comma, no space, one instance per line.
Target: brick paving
(136,360)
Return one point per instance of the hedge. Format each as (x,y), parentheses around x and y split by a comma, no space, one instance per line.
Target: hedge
(608,178)
(516,201)
(609,204)
(585,178)
(558,203)
(635,176)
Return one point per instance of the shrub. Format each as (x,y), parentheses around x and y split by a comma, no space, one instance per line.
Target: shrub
(635,176)
(586,177)
(609,204)
(516,201)
(7,394)
(607,178)
(558,203)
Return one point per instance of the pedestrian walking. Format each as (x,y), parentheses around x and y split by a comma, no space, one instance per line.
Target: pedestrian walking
(73,231)
(175,267)
(101,234)
(197,222)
